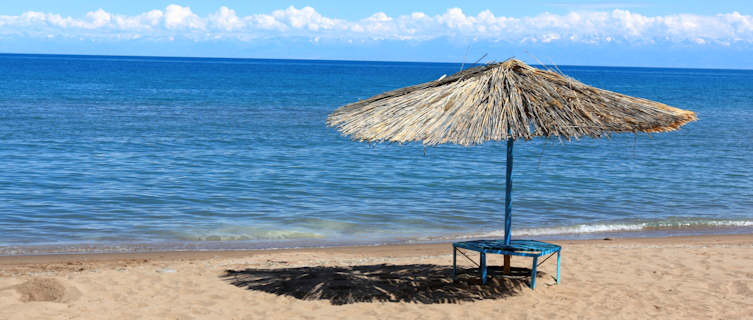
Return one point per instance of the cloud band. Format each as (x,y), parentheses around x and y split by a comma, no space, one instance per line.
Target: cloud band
(592,27)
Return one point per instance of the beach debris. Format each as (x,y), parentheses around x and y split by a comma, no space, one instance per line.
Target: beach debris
(276,261)
(166,270)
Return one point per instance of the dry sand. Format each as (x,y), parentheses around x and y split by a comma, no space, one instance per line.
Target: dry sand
(665,278)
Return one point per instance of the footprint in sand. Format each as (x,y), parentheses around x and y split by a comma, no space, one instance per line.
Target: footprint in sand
(46,290)
(741,288)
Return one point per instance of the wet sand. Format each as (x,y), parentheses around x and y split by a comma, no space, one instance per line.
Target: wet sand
(667,278)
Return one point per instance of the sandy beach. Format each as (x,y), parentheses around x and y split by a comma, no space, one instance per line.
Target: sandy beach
(665,278)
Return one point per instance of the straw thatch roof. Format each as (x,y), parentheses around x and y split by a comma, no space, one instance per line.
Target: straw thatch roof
(483,103)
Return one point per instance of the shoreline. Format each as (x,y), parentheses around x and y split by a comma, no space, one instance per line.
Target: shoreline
(113,247)
(627,278)
(184,255)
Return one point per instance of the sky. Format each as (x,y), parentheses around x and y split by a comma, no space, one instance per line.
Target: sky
(703,34)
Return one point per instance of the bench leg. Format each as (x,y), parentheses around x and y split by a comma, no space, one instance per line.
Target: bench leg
(507,265)
(483,268)
(533,272)
(455,263)
(558,265)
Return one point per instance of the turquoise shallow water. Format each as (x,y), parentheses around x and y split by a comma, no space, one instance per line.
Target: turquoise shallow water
(135,153)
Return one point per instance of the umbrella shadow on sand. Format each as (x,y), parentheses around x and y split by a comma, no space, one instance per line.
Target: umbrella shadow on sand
(415,283)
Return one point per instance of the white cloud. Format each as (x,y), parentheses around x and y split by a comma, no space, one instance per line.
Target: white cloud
(98,18)
(455,19)
(175,22)
(177,17)
(306,18)
(267,22)
(226,19)
(145,21)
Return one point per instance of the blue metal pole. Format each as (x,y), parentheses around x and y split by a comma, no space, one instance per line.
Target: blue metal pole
(558,265)
(508,191)
(483,267)
(533,272)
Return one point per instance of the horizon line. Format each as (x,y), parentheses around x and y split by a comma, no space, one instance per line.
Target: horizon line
(356,60)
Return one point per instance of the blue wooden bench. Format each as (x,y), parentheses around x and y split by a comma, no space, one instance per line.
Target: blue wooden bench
(526,248)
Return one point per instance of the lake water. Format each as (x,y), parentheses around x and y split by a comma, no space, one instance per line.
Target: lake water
(102,153)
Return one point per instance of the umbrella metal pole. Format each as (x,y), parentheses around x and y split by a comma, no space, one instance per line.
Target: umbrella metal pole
(508,202)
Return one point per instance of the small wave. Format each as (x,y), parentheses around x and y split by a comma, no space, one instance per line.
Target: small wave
(670,224)
(247,233)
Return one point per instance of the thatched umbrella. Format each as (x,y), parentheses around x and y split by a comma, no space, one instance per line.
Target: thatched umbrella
(502,101)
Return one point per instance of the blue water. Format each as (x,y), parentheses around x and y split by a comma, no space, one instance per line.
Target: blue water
(136,153)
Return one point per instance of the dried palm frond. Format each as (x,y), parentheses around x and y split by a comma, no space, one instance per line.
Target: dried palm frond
(498,101)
